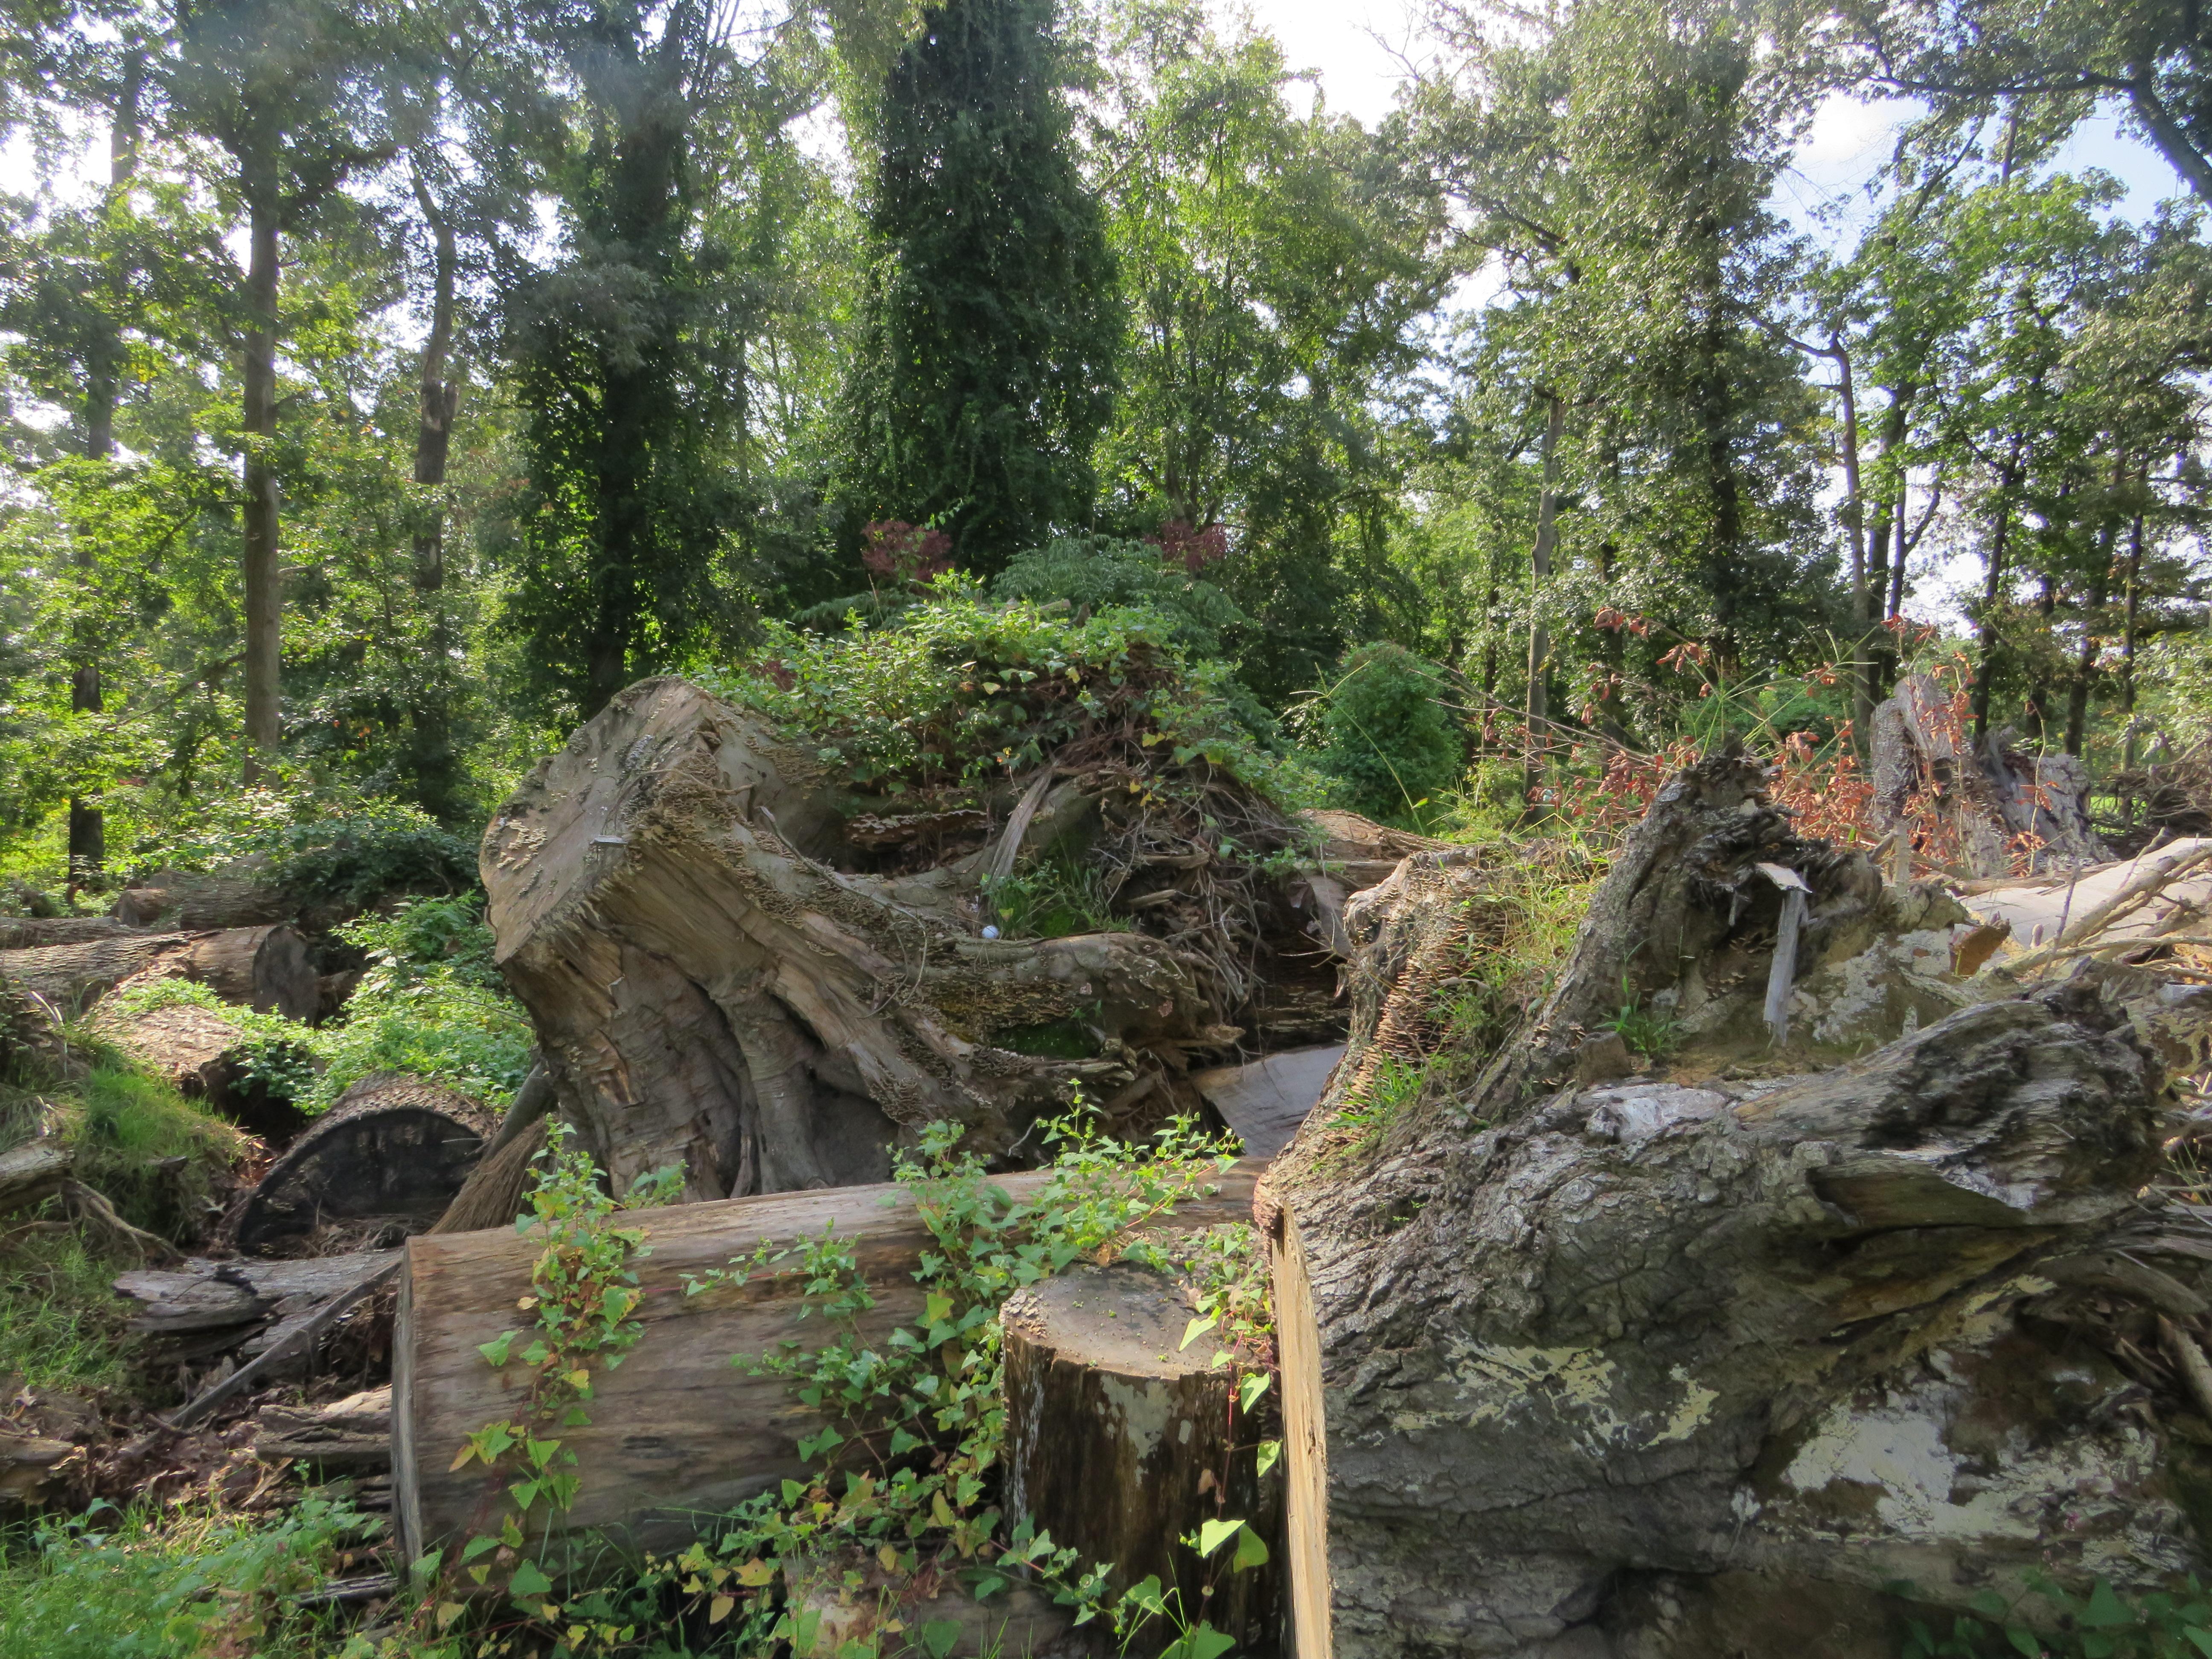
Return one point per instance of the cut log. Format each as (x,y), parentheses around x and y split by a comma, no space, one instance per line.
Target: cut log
(264,968)
(1550,1350)
(31,1173)
(712,990)
(205,1057)
(267,968)
(75,976)
(391,1154)
(677,1432)
(34,932)
(350,1436)
(241,895)
(1121,1443)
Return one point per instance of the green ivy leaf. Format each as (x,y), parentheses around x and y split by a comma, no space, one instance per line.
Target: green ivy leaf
(1249,1390)
(1271,1453)
(2105,1611)
(495,1350)
(1251,1551)
(528,1579)
(1212,1535)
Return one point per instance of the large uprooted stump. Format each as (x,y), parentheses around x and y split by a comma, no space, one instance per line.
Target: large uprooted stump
(1121,1442)
(678,1433)
(382,1163)
(718,982)
(1717,1360)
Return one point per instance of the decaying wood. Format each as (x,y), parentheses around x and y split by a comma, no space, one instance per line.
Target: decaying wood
(296,1335)
(1263,1101)
(28,1463)
(1605,1370)
(392,1152)
(678,1432)
(74,976)
(211,1307)
(33,1172)
(1121,1442)
(712,990)
(353,1435)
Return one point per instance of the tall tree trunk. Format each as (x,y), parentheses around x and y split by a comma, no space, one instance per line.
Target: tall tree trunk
(431,760)
(2100,589)
(2127,626)
(1889,508)
(87,822)
(1540,576)
(263,597)
(1854,516)
(2038,690)
(1986,637)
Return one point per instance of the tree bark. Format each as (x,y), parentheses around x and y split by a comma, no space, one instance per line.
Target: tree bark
(1111,1423)
(1987,636)
(257,423)
(676,1433)
(1671,1368)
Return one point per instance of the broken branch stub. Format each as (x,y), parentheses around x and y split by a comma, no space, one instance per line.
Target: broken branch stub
(715,987)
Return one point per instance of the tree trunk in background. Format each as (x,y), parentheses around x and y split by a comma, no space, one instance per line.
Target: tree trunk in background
(1986,635)
(263,592)
(87,822)
(431,760)
(1539,575)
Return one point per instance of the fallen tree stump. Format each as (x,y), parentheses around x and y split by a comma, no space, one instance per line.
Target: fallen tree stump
(677,1432)
(33,1173)
(1713,1362)
(74,976)
(723,976)
(1121,1442)
(241,895)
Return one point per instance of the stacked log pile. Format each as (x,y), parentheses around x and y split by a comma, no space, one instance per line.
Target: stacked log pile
(1745,1355)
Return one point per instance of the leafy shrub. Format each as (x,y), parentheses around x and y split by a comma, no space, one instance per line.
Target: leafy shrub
(431,1002)
(1093,572)
(1387,735)
(2102,1625)
(1057,897)
(957,689)
(345,854)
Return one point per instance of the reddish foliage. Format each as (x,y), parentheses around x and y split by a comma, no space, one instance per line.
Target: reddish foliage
(892,547)
(1193,549)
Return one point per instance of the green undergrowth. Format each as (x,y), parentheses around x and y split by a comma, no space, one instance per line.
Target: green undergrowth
(910,1426)
(61,1325)
(961,689)
(342,852)
(167,1583)
(2052,1623)
(430,1002)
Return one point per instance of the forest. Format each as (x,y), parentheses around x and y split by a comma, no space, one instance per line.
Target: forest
(1090,513)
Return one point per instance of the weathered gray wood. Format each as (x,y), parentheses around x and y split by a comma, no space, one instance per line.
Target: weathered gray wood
(33,1172)
(1264,1101)
(296,1335)
(353,1434)
(676,1431)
